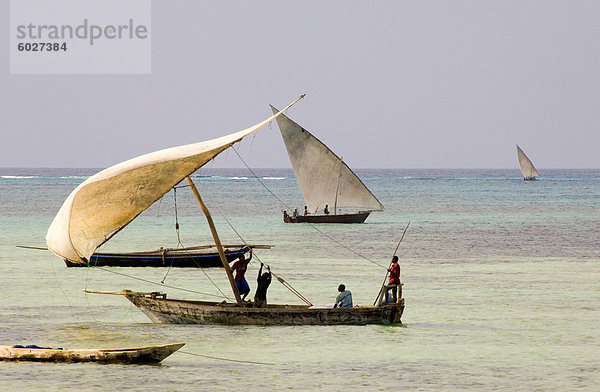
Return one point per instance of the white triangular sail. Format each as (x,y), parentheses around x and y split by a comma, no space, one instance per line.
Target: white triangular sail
(110,199)
(527,167)
(322,176)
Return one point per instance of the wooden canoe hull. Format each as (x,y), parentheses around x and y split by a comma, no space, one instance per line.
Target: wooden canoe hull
(358,217)
(148,354)
(176,258)
(170,311)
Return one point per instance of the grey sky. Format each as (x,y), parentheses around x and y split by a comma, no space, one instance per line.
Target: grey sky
(390,84)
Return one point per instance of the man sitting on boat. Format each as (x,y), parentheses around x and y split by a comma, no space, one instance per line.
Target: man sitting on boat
(394,282)
(306,211)
(240,266)
(262,284)
(326,210)
(344,298)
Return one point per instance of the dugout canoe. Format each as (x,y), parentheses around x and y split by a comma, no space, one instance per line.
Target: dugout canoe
(147,354)
(171,311)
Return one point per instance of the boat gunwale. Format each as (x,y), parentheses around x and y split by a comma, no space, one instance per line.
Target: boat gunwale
(248,307)
(171,252)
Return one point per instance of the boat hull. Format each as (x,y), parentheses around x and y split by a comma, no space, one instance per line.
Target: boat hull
(162,310)
(148,354)
(358,217)
(180,258)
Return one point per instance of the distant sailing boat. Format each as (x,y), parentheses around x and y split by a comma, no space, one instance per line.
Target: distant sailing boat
(324,179)
(527,168)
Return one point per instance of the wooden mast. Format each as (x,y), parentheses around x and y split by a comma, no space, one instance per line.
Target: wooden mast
(213,230)
(337,189)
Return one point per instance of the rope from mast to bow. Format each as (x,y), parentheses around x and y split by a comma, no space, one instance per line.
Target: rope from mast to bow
(283,282)
(285,205)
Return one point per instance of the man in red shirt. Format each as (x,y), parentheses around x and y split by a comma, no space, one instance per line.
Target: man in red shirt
(240,266)
(394,282)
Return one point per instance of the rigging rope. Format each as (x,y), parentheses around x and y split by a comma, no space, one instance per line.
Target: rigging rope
(281,280)
(90,272)
(63,291)
(176,230)
(163,285)
(310,224)
(176,216)
(179,243)
(225,359)
(159,204)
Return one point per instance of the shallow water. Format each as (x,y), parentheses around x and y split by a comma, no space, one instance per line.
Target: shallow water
(500,279)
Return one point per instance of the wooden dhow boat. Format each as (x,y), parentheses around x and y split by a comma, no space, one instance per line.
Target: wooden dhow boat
(351,217)
(192,257)
(324,179)
(107,201)
(203,256)
(159,309)
(529,171)
(147,354)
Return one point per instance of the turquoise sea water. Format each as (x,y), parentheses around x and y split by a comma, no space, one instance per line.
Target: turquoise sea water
(500,280)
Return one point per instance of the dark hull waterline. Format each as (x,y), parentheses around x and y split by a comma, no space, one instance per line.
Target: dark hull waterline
(181,258)
(358,217)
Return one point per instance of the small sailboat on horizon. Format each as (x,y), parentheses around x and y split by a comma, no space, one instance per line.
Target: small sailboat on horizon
(324,179)
(527,168)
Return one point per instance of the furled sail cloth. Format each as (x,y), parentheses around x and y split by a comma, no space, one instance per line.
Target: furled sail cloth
(527,167)
(110,199)
(321,174)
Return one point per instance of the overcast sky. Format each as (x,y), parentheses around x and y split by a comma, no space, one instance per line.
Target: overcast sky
(390,84)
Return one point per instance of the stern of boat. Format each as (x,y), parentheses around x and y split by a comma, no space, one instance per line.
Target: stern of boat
(399,311)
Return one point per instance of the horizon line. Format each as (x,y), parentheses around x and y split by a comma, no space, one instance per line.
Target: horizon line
(289,168)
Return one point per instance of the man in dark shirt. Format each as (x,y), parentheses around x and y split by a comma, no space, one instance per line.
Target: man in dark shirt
(263,282)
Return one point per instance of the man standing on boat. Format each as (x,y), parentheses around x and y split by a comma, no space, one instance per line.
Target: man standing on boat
(344,298)
(394,282)
(262,284)
(240,267)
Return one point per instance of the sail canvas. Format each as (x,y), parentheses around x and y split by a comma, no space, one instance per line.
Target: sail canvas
(527,168)
(107,201)
(322,176)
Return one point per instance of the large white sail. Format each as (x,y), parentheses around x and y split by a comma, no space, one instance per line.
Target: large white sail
(110,199)
(527,167)
(322,176)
